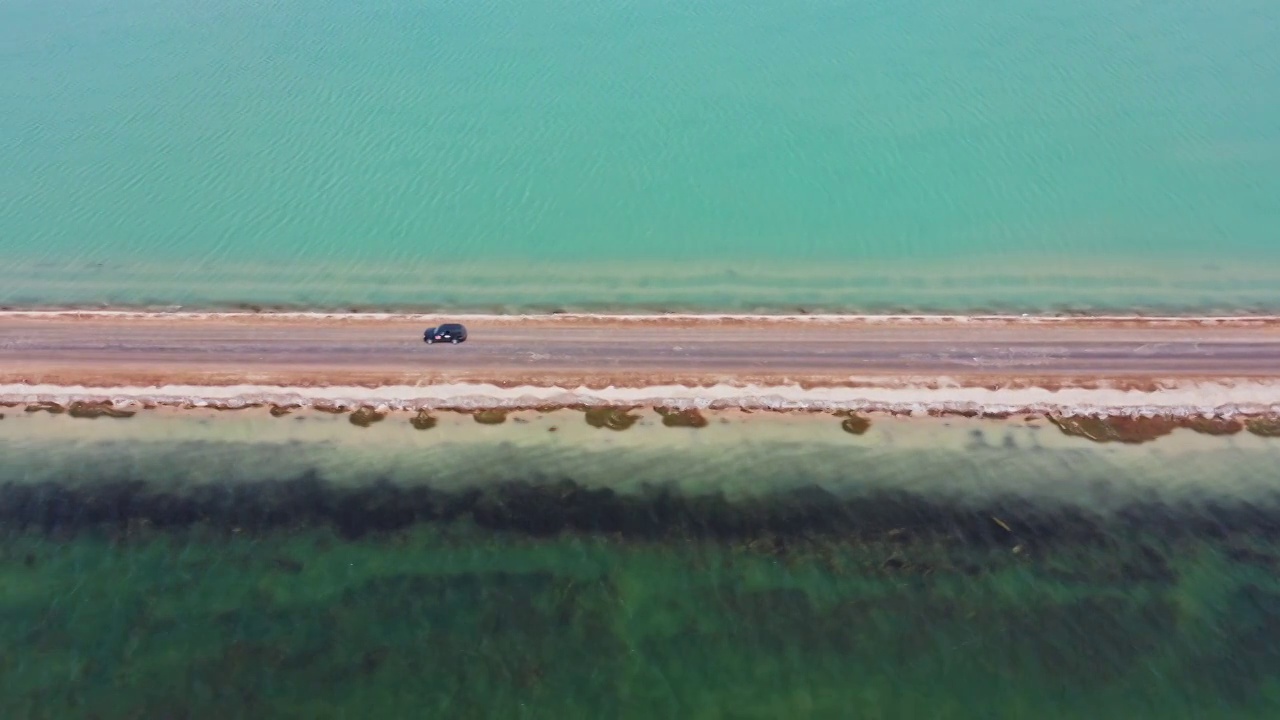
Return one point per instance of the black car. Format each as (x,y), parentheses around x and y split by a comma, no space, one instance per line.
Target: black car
(448,332)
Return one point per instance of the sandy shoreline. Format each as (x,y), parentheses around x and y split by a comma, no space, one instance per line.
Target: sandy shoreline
(666,318)
(1209,399)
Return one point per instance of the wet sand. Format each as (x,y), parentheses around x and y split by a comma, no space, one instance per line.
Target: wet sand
(1007,364)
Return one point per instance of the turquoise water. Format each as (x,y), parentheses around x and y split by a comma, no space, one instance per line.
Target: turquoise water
(994,154)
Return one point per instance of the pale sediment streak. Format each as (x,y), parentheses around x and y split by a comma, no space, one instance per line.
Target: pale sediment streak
(806,318)
(1192,398)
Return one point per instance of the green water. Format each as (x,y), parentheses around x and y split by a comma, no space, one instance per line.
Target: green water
(227,571)
(251,604)
(463,623)
(642,154)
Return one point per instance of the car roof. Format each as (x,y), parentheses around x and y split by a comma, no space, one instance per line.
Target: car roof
(450,326)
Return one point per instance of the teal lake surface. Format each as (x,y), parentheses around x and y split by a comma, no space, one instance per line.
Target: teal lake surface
(642,154)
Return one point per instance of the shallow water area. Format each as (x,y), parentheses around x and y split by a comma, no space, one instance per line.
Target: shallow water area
(740,453)
(236,564)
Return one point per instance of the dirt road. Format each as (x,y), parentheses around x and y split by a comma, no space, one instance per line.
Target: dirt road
(112,350)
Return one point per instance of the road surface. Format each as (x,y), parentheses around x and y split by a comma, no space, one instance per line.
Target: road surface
(108,350)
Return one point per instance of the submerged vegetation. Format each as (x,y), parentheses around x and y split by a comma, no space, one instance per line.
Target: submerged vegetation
(545,593)
(612,418)
(366,416)
(855,424)
(490,417)
(423,420)
(1123,429)
(554,600)
(1130,430)
(689,418)
(49,407)
(1264,427)
(1213,426)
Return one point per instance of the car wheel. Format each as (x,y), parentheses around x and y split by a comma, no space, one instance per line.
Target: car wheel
(454,341)
(430,341)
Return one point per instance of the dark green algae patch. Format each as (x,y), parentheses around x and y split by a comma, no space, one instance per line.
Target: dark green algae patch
(298,598)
